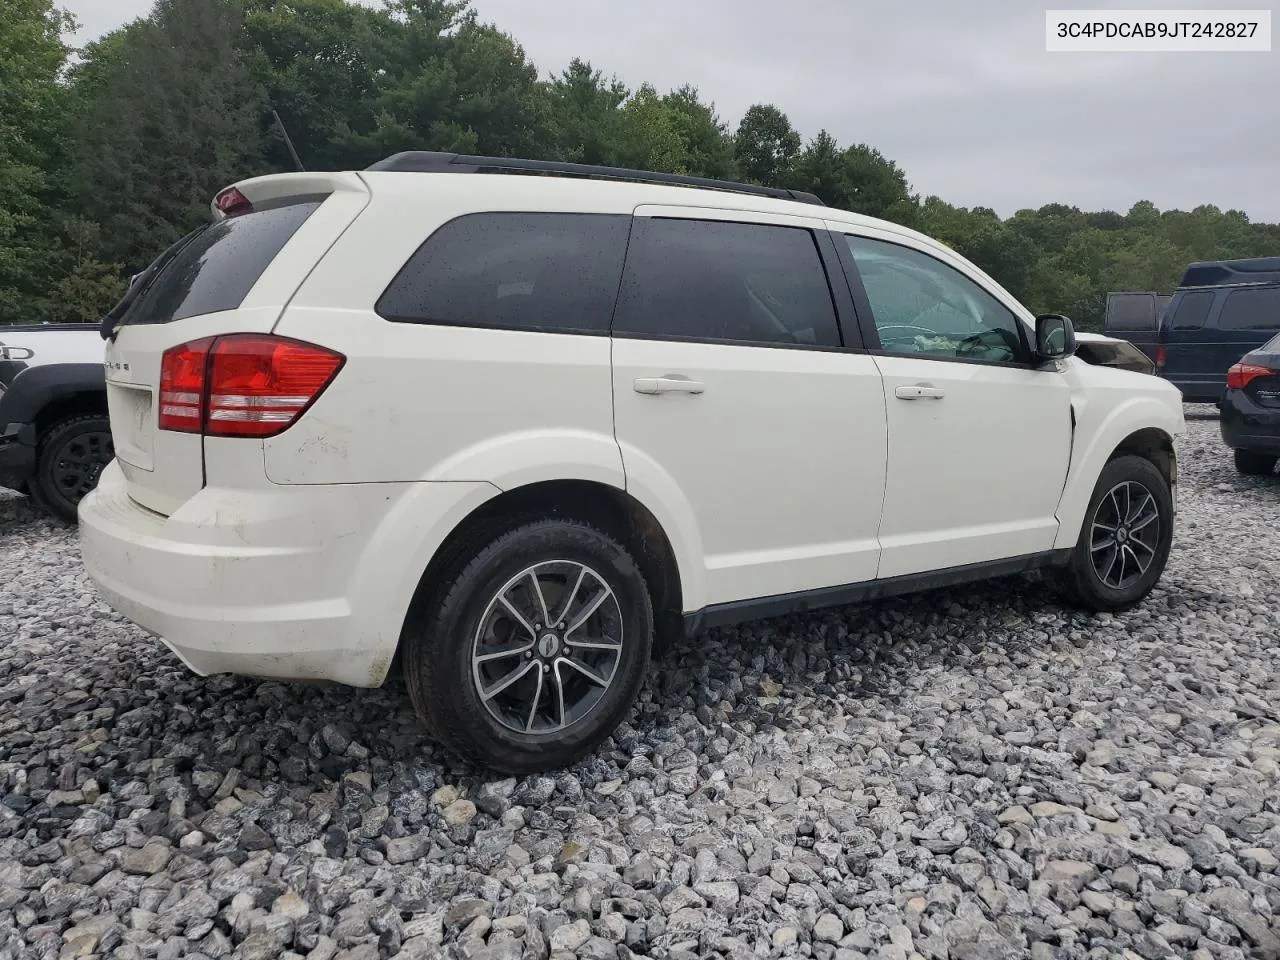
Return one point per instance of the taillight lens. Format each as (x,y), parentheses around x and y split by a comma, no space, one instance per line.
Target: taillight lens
(1160,355)
(259,385)
(1242,374)
(182,378)
(242,385)
(231,202)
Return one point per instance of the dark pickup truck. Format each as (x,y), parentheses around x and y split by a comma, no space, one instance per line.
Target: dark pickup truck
(55,437)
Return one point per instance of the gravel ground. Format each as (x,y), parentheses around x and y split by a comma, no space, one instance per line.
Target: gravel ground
(973,773)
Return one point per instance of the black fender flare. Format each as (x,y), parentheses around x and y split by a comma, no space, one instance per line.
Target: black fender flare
(35,388)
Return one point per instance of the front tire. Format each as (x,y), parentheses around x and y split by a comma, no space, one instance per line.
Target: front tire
(1125,541)
(71,456)
(534,647)
(1254,464)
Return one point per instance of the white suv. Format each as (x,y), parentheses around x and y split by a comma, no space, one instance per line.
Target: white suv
(516,430)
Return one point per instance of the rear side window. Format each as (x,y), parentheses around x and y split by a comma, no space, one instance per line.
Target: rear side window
(214,268)
(551,272)
(1192,311)
(738,282)
(1251,310)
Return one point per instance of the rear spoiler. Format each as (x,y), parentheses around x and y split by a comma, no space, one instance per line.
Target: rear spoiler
(250,194)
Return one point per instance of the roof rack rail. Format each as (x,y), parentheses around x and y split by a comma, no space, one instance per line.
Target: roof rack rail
(426,161)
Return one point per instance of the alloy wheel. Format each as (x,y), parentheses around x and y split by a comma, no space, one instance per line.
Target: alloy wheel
(1124,535)
(547,647)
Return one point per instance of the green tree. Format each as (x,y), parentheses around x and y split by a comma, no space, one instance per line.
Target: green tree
(766,145)
(585,114)
(166,114)
(705,142)
(31,113)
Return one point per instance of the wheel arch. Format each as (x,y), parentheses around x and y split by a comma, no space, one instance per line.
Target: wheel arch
(1143,427)
(610,508)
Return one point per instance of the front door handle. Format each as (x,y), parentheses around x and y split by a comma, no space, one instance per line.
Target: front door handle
(672,383)
(920,391)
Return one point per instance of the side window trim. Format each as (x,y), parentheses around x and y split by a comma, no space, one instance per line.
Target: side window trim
(847,313)
(861,303)
(866,316)
(841,307)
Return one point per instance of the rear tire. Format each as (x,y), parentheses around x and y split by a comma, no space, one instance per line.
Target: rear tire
(69,459)
(1254,464)
(496,683)
(1119,557)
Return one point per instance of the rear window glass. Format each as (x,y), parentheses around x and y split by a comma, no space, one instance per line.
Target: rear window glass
(1251,310)
(215,268)
(1192,311)
(1135,312)
(551,272)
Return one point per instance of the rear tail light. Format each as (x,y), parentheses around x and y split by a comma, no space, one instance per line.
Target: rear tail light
(231,202)
(1160,355)
(182,378)
(242,385)
(1243,374)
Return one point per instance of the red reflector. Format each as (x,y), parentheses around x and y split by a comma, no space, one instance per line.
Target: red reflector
(259,385)
(182,373)
(242,385)
(1242,374)
(1160,355)
(231,202)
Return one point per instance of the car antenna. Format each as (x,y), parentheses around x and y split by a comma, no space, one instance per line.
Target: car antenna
(288,142)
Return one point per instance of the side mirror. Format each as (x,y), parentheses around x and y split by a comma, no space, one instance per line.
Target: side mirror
(1055,337)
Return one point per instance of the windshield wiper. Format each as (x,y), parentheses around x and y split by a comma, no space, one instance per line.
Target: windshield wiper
(141,283)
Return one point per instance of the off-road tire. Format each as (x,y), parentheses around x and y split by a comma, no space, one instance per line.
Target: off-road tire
(85,436)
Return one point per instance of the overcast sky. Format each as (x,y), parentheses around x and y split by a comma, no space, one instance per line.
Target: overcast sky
(961,95)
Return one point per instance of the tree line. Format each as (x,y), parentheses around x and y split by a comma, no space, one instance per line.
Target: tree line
(111,152)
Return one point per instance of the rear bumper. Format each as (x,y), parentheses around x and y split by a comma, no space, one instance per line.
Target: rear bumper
(275,583)
(1247,425)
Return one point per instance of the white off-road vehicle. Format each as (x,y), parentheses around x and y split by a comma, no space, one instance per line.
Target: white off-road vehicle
(515,430)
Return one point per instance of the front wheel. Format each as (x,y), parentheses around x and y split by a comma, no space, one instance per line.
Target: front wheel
(1125,542)
(534,649)
(72,455)
(1254,464)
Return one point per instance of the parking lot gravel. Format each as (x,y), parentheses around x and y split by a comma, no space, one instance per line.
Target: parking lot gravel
(973,773)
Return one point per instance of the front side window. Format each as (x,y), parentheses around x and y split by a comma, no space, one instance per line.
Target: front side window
(1251,310)
(922,306)
(737,282)
(550,272)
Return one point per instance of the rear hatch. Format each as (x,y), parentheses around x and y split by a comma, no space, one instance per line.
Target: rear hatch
(235,274)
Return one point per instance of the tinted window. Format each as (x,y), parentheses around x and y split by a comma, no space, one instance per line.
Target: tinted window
(214,268)
(923,306)
(1251,310)
(1192,311)
(524,271)
(1131,312)
(710,280)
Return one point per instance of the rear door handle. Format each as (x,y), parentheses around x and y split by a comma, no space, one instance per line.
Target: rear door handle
(671,383)
(920,391)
